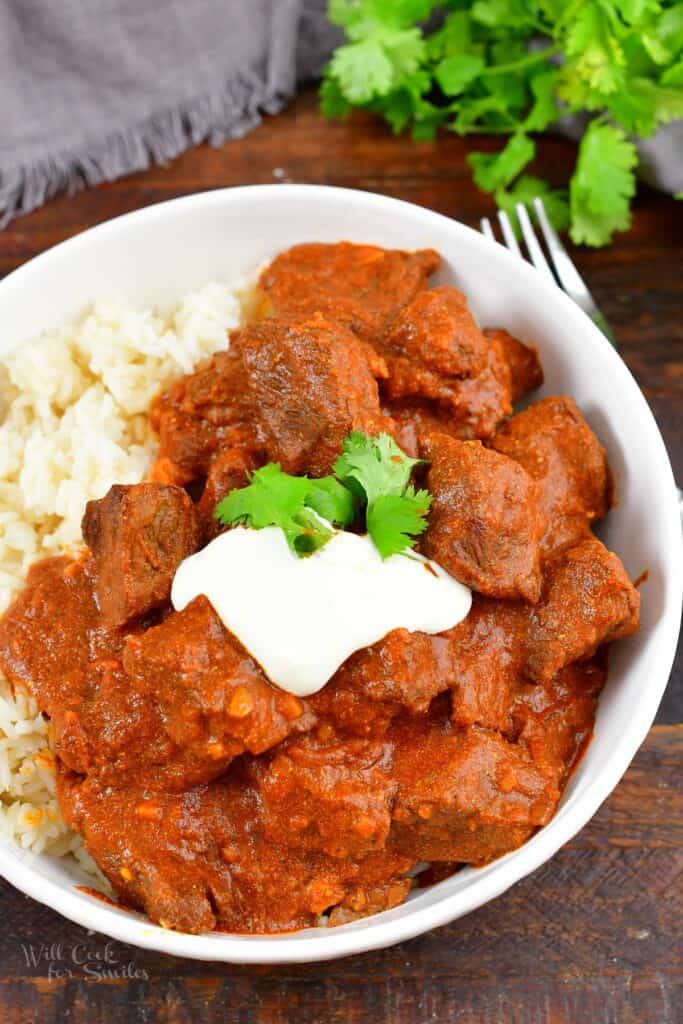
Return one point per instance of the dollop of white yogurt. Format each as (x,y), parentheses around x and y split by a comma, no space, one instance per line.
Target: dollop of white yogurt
(300,618)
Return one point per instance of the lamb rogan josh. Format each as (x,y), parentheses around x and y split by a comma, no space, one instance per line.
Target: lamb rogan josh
(211,796)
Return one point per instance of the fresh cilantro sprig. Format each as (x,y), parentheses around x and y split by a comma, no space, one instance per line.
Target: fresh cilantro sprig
(374,466)
(294,503)
(379,471)
(371,480)
(513,67)
(394,521)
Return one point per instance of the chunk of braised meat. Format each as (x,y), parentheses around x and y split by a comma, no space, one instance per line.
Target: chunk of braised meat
(553,442)
(311,386)
(332,795)
(481,403)
(229,470)
(415,418)
(151,848)
(484,526)
(587,600)
(526,372)
(102,721)
(280,888)
(488,653)
(197,860)
(475,405)
(362,287)
(474,409)
(201,414)
(369,898)
(138,535)
(554,719)
(464,795)
(431,344)
(61,667)
(402,672)
(216,701)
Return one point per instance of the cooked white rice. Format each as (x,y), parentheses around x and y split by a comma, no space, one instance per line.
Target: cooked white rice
(73,421)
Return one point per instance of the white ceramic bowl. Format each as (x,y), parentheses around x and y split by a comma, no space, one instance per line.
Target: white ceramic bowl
(156,255)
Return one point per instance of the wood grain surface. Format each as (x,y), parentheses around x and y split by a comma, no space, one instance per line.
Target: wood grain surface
(595,935)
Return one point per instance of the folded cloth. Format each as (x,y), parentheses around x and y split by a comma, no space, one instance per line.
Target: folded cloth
(93,91)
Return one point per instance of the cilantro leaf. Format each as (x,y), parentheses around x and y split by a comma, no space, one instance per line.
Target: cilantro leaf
(595,46)
(342,12)
(271,498)
(668,104)
(545,109)
(525,190)
(406,103)
(633,11)
(603,185)
(394,520)
(669,29)
(512,14)
(454,36)
(333,103)
(380,471)
(274,498)
(362,70)
(645,105)
(375,466)
(496,170)
(405,49)
(634,108)
(392,13)
(331,500)
(405,12)
(674,75)
(455,73)
(308,534)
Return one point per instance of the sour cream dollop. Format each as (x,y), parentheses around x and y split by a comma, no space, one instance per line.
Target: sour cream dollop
(300,618)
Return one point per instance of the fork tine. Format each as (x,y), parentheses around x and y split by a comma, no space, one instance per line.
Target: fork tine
(533,248)
(486,229)
(508,233)
(570,279)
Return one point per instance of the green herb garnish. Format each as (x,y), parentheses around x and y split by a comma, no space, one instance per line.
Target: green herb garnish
(395,520)
(374,465)
(294,503)
(331,500)
(371,479)
(379,471)
(513,67)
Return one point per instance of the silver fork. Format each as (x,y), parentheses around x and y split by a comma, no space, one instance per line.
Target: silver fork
(566,275)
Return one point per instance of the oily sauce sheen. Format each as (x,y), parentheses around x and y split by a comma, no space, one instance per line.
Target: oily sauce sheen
(214,799)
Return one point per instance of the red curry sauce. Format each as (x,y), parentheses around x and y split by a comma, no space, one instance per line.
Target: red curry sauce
(212,799)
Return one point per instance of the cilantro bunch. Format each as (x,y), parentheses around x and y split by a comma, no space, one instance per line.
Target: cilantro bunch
(513,67)
(370,486)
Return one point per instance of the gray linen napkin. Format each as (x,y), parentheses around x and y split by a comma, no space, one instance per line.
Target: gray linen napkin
(91,90)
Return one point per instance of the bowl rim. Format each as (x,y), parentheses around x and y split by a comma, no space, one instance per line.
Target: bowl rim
(382,929)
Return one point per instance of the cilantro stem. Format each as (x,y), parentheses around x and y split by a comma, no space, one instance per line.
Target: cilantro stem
(514,65)
(487,129)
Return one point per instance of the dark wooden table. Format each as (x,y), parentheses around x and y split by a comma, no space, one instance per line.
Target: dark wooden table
(594,937)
